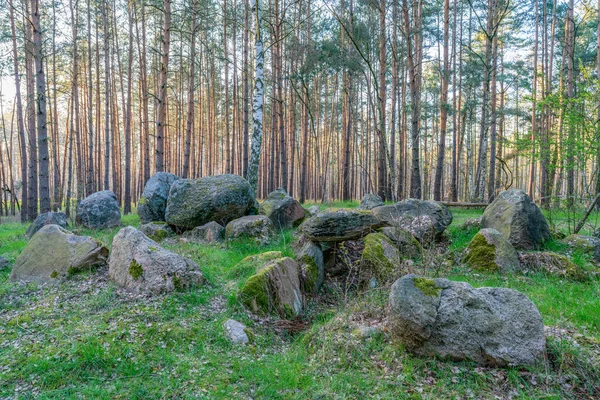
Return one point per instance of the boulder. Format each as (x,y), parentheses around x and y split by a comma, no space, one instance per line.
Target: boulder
(406,243)
(249,265)
(54,253)
(471,224)
(452,320)
(256,227)
(49,218)
(422,218)
(516,217)
(489,251)
(274,289)
(153,203)
(139,264)
(312,266)
(236,331)
(370,201)
(99,210)
(207,233)
(339,225)
(3,262)
(381,259)
(552,264)
(157,231)
(586,244)
(314,210)
(282,209)
(220,198)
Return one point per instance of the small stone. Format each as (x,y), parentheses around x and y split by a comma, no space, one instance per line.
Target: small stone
(157,231)
(370,201)
(236,331)
(256,227)
(3,262)
(282,209)
(207,233)
(314,210)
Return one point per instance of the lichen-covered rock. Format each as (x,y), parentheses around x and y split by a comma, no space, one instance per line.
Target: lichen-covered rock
(381,259)
(452,320)
(219,198)
(49,218)
(54,253)
(139,264)
(3,262)
(157,231)
(153,203)
(207,233)
(406,243)
(422,218)
(312,266)
(99,210)
(471,224)
(282,209)
(552,264)
(339,225)
(489,251)
(236,331)
(251,264)
(274,289)
(314,210)
(256,227)
(516,217)
(586,244)
(370,201)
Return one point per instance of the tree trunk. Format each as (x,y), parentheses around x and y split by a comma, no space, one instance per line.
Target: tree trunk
(257,106)
(161,120)
(439,171)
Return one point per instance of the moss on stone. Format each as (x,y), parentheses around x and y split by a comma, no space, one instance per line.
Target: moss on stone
(310,273)
(255,294)
(251,264)
(427,286)
(54,274)
(135,270)
(374,257)
(481,255)
(178,283)
(250,333)
(142,201)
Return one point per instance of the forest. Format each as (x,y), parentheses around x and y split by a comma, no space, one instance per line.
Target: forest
(450,101)
(299,199)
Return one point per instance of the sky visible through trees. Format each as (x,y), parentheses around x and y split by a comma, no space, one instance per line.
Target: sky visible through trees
(452,100)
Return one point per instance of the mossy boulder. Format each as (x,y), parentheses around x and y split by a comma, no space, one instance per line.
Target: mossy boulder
(256,227)
(514,215)
(153,203)
(254,263)
(552,264)
(586,244)
(489,251)
(381,259)
(99,210)
(207,233)
(220,198)
(139,264)
(312,266)
(282,209)
(406,243)
(274,289)
(339,225)
(424,219)
(370,201)
(495,327)
(54,253)
(49,218)
(157,231)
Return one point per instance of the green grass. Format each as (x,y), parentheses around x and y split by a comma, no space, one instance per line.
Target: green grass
(88,338)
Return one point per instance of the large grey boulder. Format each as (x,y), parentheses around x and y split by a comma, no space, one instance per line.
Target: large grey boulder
(220,198)
(54,253)
(370,201)
(339,225)
(139,264)
(452,320)
(207,233)
(157,231)
(99,210)
(274,289)
(282,209)
(256,227)
(516,217)
(312,266)
(422,218)
(489,251)
(153,203)
(49,218)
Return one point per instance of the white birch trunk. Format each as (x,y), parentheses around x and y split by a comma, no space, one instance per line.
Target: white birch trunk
(257,104)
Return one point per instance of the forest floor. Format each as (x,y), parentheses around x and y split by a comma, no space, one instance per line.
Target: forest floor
(87,338)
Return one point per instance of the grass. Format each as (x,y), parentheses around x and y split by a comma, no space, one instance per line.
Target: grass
(88,338)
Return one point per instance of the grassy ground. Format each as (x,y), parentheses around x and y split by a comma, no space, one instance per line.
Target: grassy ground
(89,339)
